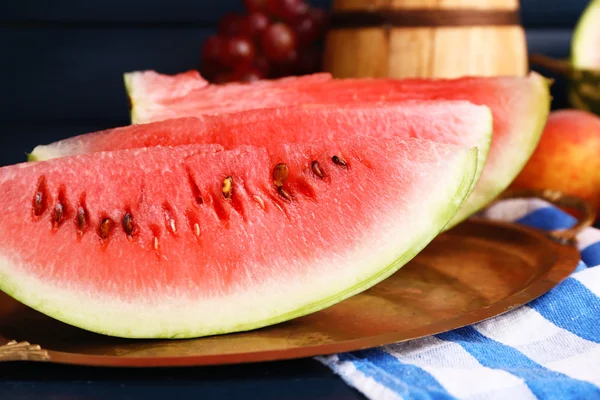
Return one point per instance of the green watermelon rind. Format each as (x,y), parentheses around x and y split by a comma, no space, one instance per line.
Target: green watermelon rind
(136,99)
(514,161)
(483,151)
(468,208)
(127,80)
(442,210)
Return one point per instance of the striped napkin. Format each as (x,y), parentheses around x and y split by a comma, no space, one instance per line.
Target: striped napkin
(548,349)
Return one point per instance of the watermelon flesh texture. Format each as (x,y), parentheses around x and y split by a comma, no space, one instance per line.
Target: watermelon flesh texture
(199,264)
(586,36)
(146,84)
(155,94)
(454,122)
(519,105)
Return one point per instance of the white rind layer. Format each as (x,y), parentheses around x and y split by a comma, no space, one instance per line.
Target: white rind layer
(51,151)
(502,168)
(136,84)
(136,94)
(389,245)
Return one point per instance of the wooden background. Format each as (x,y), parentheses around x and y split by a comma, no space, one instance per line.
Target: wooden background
(62,60)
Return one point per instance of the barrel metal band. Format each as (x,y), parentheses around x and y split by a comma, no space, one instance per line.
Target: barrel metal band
(424,18)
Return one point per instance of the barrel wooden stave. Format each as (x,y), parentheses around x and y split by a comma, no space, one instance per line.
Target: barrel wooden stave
(434,51)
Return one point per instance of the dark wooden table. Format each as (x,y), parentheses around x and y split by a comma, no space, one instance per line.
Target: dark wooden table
(298,379)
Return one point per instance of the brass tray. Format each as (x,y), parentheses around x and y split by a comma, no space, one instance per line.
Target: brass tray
(476,271)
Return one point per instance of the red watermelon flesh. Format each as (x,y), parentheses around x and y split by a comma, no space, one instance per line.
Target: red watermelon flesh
(158,87)
(454,122)
(152,88)
(194,240)
(519,105)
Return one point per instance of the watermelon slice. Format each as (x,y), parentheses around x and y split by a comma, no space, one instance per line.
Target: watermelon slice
(157,96)
(520,107)
(454,122)
(584,44)
(186,241)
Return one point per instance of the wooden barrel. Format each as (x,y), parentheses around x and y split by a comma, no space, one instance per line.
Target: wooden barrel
(425,38)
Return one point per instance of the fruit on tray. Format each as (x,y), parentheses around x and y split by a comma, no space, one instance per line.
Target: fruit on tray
(519,105)
(454,122)
(272,39)
(567,157)
(194,240)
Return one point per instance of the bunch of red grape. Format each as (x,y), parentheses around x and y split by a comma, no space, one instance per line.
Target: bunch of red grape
(275,38)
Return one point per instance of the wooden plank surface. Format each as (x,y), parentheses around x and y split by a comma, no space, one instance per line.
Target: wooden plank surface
(535,13)
(551,42)
(130,11)
(76,73)
(551,13)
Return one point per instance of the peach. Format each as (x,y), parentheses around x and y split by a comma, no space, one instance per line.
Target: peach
(567,157)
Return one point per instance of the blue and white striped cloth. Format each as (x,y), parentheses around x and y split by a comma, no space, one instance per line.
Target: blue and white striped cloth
(548,349)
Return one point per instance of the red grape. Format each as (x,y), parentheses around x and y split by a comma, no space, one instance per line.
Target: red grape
(212,49)
(306,31)
(278,41)
(239,50)
(286,67)
(287,10)
(250,74)
(320,18)
(257,23)
(272,7)
(276,38)
(311,27)
(209,69)
(232,24)
(291,59)
(223,77)
(262,64)
(255,5)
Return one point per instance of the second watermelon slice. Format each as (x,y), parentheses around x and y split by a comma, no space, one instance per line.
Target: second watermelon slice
(449,122)
(520,107)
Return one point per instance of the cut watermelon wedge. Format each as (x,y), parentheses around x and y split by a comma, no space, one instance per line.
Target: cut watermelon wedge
(454,122)
(174,242)
(520,107)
